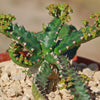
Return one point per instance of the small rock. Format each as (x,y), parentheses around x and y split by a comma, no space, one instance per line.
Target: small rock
(64,97)
(10,92)
(57,97)
(52,94)
(99,86)
(96,76)
(95,89)
(88,72)
(3,97)
(23,83)
(19,98)
(92,83)
(5,77)
(27,91)
(50,98)
(64,91)
(15,88)
(93,67)
(56,92)
(28,82)
(25,98)
(65,94)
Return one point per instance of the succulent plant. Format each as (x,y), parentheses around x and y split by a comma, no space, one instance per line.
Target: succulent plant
(51,49)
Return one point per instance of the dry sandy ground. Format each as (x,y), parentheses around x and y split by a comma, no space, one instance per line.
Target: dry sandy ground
(32,14)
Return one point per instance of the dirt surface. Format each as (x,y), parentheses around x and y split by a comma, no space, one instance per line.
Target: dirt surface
(32,14)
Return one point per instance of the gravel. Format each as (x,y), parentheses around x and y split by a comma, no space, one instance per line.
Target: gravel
(15,85)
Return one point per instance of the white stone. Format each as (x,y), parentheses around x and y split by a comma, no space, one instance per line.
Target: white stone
(95,89)
(63,91)
(64,97)
(57,97)
(50,98)
(96,76)
(52,94)
(19,98)
(16,87)
(25,98)
(56,92)
(5,77)
(88,72)
(28,82)
(23,83)
(10,92)
(92,83)
(3,97)
(27,91)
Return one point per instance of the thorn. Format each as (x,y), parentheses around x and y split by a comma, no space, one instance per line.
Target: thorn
(24,44)
(73,96)
(11,33)
(81,37)
(61,66)
(14,55)
(17,58)
(38,60)
(95,30)
(87,90)
(51,67)
(62,23)
(55,57)
(42,56)
(89,34)
(56,32)
(47,53)
(60,71)
(57,62)
(68,91)
(50,48)
(18,37)
(32,49)
(51,53)
(59,27)
(67,47)
(59,51)
(60,76)
(33,62)
(16,41)
(74,42)
(10,47)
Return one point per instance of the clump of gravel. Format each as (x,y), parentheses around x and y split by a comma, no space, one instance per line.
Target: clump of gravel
(15,85)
